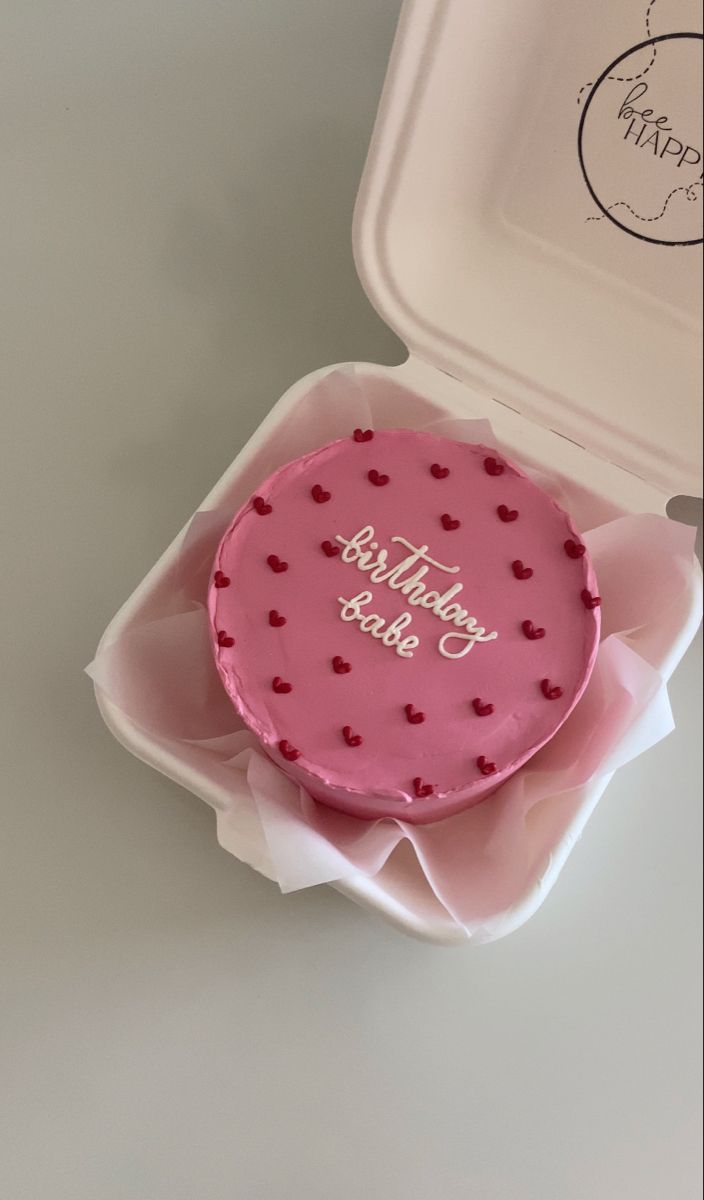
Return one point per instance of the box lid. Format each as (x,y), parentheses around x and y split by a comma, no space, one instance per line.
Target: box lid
(530,216)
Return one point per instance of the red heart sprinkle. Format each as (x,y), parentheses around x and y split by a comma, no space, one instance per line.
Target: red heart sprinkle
(363,435)
(449,522)
(224,639)
(319,494)
(507,514)
(280,686)
(352,739)
(439,472)
(486,767)
(492,466)
(220,580)
(413,716)
(276,564)
(260,505)
(329,549)
(575,549)
(422,789)
(550,692)
(275,619)
(533,633)
(339,666)
(378,480)
(482,709)
(590,601)
(289,752)
(520,571)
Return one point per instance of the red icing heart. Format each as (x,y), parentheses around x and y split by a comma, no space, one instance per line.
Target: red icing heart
(319,494)
(275,619)
(260,505)
(422,789)
(532,633)
(220,580)
(492,466)
(549,691)
(280,686)
(329,549)
(224,639)
(352,739)
(339,666)
(520,571)
(378,480)
(486,767)
(276,564)
(507,514)
(363,435)
(413,716)
(574,549)
(590,601)
(439,472)
(482,709)
(449,522)
(289,752)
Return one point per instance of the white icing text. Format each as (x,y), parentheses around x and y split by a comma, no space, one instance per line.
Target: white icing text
(365,554)
(374,624)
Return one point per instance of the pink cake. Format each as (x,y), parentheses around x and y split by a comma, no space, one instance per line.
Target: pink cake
(402,620)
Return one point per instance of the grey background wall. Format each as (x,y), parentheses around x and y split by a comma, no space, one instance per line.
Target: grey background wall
(178,182)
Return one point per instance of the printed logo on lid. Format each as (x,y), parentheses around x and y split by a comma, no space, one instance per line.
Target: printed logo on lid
(640,140)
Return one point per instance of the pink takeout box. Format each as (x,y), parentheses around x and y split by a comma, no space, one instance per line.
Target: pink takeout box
(506,228)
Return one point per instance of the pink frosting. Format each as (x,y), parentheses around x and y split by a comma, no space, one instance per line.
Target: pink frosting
(353,736)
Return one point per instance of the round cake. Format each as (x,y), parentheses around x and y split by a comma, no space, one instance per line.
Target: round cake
(402,620)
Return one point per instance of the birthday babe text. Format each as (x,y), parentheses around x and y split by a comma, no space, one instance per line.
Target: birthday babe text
(407,578)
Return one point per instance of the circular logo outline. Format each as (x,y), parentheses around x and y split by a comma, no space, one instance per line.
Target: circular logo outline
(665,37)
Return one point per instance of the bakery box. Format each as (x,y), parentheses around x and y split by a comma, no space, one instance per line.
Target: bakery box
(529,223)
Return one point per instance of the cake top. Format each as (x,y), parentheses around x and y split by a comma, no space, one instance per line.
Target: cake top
(403,620)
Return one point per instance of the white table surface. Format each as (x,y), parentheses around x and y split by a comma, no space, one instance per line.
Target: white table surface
(178,181)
